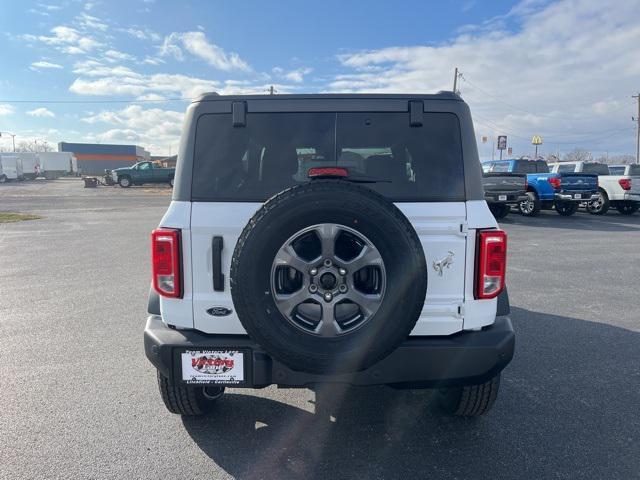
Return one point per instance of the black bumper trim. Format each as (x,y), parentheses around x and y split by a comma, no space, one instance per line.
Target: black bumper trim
(466,358)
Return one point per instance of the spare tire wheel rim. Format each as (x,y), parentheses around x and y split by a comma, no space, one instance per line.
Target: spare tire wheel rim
(328,280)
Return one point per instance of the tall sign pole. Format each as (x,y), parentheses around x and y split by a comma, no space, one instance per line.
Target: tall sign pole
(502,144)
(536,140)
(637,97)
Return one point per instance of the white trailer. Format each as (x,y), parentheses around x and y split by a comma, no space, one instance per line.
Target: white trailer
(30,164)
(56,164)
(10,168)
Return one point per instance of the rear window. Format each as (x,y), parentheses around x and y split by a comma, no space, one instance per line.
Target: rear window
(599,168)
(567,168)
(499,167)
(634,169)
(525,166)
(274,151)
(616,170)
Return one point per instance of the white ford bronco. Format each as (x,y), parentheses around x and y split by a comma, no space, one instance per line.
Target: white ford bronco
(328,239)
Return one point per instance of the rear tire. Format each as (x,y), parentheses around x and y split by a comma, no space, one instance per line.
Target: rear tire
(3,179)
(628,208)
(500,210)
(470,400)
(530,207)
(566,209)
(171,182)
(599,206)
(186,399)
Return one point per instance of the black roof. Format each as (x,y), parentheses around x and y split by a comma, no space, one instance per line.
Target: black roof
(442,95)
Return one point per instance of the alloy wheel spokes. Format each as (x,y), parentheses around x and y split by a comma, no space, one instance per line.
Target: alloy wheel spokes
(329,296)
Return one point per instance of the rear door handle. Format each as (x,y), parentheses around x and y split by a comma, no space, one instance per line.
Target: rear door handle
(216,259)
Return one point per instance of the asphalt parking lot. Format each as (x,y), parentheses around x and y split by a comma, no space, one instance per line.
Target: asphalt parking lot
(78,398)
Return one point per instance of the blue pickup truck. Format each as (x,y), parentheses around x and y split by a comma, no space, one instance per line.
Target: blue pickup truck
(564,191)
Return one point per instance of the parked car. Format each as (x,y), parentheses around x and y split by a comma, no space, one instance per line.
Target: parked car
(10,168)
(546,190)
(141,173)
(381,265)
(502,190)
(620,190)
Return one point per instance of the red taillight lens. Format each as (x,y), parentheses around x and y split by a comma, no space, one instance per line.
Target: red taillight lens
(491,255)
(165,262)
(625,183)
(328,172)
(556,182)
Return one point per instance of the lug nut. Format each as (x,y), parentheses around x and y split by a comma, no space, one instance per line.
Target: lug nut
(328,297)
(313,272)
(342,272)
(342,288)
(313,288)
(328,262)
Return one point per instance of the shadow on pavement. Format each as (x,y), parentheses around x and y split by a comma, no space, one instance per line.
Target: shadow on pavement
(568,407)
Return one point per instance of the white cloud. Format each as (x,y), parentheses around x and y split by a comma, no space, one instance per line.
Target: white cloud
(155,128)
(90,22)
(141,33)
(112,55)
(41,113)
(6,109)
(68,40)
(297,75)
(196,43)
(44,64)
(560,70)
(123,81)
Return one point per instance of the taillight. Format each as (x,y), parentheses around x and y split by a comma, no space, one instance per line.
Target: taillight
(625,183)
(556,182)
(328,172)
(165,262)
(491,263)
(526,183)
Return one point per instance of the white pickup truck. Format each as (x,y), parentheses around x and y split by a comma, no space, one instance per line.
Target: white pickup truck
(618,185)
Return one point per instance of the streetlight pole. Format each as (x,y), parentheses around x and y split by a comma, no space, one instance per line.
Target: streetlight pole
(637,97)
(13,139)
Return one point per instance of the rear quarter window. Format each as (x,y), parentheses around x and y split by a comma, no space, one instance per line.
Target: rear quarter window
(274,151)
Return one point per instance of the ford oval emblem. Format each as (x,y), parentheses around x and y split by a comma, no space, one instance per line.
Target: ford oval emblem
(219,311)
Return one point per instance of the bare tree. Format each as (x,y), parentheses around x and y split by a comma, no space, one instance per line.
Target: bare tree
(26,146)
(624,158)
(578,155)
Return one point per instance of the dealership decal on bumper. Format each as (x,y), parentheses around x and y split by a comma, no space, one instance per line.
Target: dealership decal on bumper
(213,366)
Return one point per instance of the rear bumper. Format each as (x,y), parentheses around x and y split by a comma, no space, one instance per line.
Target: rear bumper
(505,197)
(571,197)
(465,358)
(632,197)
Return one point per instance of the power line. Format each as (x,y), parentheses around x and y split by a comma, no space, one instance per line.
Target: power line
(519,109)
(609,133)
(165,100)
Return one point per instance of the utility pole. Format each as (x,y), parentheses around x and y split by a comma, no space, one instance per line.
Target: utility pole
(272,91)
(455,81)
(637,97)
(13,139)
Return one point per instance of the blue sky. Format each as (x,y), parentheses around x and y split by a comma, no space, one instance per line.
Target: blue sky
(563,69)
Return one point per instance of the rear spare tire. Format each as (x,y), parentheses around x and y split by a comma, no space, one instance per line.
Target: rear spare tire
(328,277)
